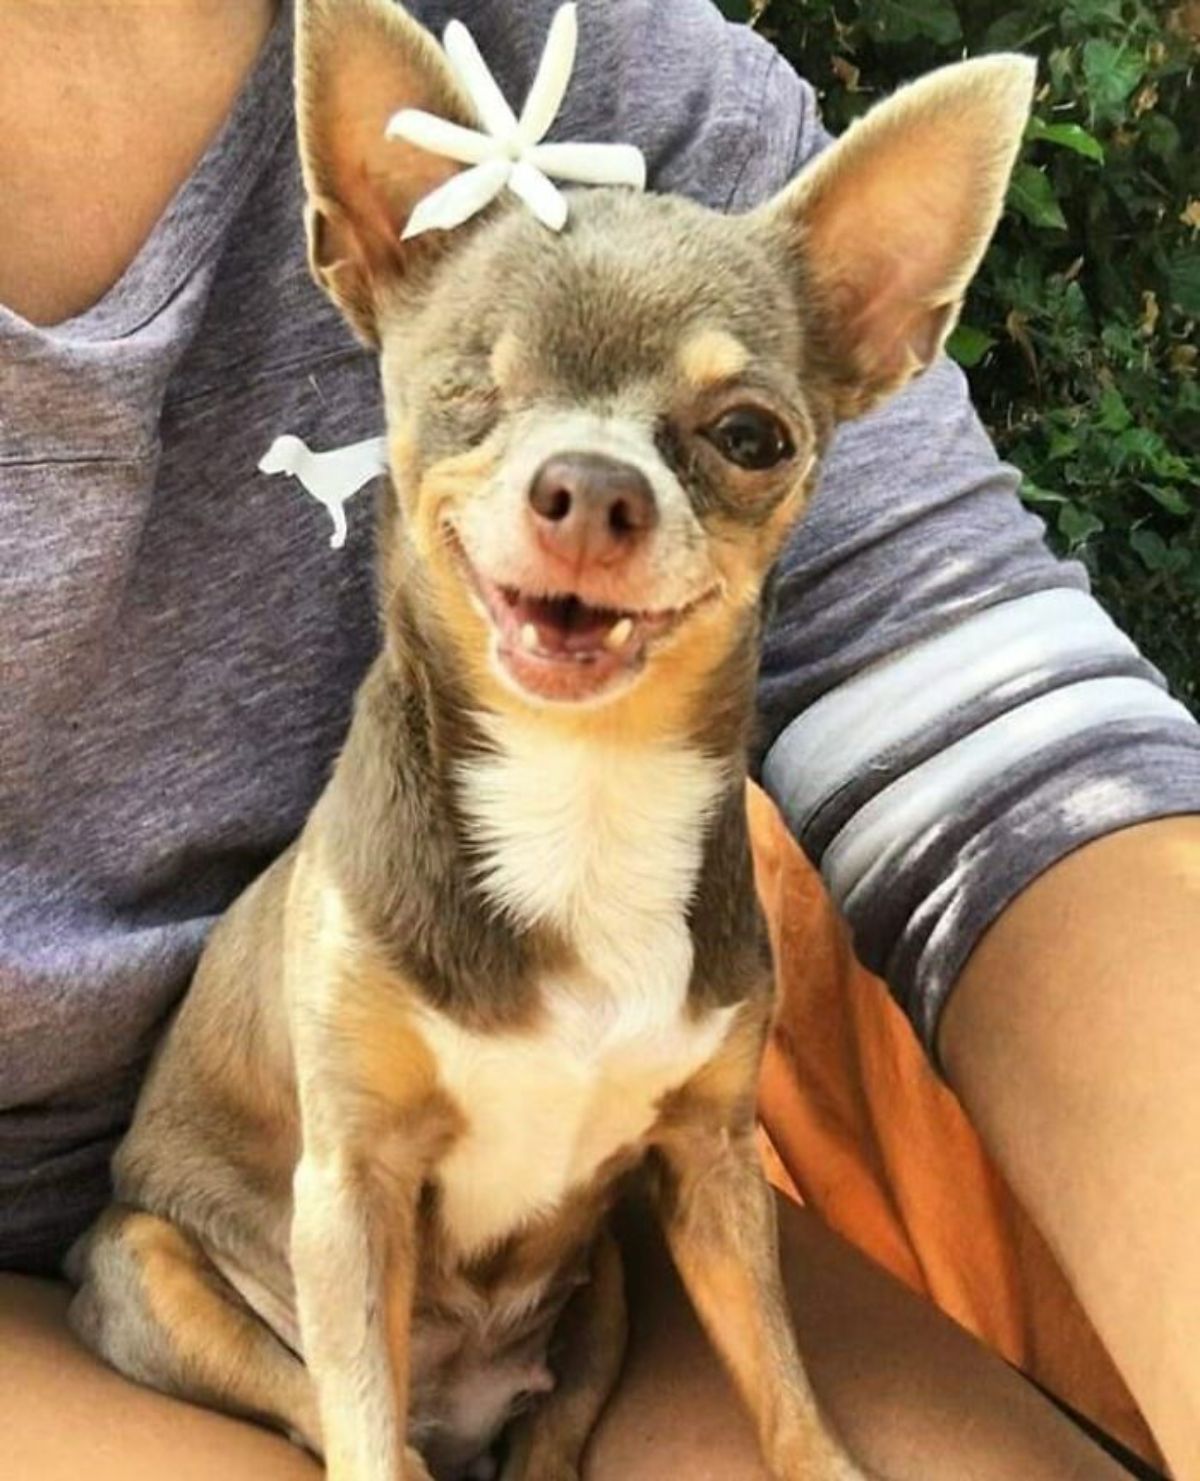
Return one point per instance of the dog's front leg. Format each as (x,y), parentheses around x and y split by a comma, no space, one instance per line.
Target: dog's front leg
(354,1256)
(719,1219)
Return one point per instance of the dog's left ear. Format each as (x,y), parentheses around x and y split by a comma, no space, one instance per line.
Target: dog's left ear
(890,223)
(358,62)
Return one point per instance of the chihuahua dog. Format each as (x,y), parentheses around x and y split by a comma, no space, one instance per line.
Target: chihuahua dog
(516,952)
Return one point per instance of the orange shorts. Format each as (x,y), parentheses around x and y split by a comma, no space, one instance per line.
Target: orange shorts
(859,1127)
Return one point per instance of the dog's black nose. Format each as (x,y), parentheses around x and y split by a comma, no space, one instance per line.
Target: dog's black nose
(589,508)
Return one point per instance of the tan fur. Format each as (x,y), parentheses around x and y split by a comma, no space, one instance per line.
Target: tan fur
(506,363)
(178,1328)
(741,559)
(515,955)
(712,356)
(720,1227)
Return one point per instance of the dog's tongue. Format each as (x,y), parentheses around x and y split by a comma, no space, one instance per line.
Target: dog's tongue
(564,625)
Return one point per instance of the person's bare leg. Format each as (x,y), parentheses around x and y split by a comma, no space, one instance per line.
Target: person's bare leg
(912,1394)
(1073,1037)
(64,1416)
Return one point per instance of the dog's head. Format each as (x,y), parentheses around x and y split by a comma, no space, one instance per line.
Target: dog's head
(600,438)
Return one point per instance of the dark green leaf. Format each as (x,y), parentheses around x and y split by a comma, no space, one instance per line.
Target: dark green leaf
(1138,445)
(969,345)
(1112,73)
(1033,493)
(1061,63)
(1143,446)
(1062,445)
(1078,524)
(906,20)
(1183,279)
(1015,32)
(1031,195)
(1066,136)
(1161,136)
(1092,12)
(1151,547)
(1168,496)
(1112,413)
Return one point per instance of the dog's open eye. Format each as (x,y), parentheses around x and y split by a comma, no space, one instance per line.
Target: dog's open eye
(751,438)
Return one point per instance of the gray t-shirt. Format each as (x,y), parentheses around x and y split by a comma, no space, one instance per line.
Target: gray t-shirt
(179,643)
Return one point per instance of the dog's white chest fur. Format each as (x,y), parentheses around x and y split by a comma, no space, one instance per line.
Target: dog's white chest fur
(606,845)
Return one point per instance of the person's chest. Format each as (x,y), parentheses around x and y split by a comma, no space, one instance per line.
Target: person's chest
(179,644)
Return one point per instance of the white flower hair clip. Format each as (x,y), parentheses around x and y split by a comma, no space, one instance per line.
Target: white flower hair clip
(508,151)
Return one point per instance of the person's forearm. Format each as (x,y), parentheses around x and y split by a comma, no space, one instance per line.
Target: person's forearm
(1073,1038)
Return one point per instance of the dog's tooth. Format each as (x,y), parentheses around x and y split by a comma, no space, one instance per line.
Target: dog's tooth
(529,637)
(619,634)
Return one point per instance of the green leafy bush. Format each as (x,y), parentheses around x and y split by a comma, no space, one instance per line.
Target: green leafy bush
(1080,334)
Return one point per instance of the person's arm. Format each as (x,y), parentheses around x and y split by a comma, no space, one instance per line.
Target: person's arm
(1073,1037)
(1006,805)
(962,740)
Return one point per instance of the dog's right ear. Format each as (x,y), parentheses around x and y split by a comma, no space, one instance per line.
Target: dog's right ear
(357,63)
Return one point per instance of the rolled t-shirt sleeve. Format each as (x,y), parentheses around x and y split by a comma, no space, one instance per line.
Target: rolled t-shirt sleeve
(944,709)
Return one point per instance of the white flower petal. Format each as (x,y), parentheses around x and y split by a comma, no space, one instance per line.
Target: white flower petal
(480,86)
(591,164)
(440,136)
(542,197)
(459,198)
(506,152)
(553,74)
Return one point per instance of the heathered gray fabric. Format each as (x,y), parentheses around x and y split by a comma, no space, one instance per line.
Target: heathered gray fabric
(915,527)
(179,644)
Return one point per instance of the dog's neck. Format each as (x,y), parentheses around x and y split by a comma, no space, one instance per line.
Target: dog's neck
(484,850)
(600,843)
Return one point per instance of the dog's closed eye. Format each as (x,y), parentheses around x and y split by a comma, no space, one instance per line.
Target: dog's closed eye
(466,409)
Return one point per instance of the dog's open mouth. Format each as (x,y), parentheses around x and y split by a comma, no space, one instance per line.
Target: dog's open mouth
(566,628)
(561,647)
